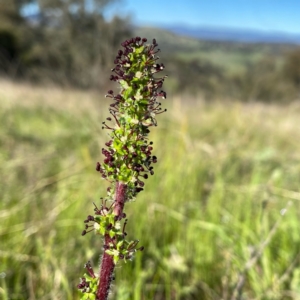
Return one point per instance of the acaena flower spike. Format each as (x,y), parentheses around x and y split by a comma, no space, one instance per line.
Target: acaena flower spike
(128,158)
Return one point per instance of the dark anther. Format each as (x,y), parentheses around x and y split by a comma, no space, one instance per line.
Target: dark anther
(90,218)
(124,44)
(98,167)
(124,225)
(108,144)
(141,183)
(109,227)
(118,97)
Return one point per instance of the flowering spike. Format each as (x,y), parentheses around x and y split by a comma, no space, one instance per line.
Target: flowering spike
(128,156)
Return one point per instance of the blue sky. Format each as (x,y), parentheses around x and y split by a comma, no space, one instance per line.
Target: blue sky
(267,15)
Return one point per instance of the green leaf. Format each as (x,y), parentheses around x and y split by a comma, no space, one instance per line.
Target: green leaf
(110,252)
(127,92)
(117,145)
(111,233)
(139,50)
(120,244)
(144,57)
(116,259)
(124,84)
(91,296)
(102,230)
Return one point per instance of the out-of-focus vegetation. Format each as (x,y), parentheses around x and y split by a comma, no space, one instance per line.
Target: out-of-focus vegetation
(219,220)
(267,72)
(68,42)
(71,43)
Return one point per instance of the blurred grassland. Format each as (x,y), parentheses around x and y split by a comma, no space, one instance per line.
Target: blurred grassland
(225,173)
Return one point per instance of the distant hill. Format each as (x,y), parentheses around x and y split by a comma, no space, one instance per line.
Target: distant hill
(230,55)
(231,49)
(235,35)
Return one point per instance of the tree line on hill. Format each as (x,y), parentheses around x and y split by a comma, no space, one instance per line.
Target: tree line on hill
(266,80)
(68,42)
(71,43)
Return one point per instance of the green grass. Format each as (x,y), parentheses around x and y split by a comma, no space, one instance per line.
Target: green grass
(224,174)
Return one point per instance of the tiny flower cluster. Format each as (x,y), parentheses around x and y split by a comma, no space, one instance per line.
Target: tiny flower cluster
(88,283)
(105,223)
(128,157)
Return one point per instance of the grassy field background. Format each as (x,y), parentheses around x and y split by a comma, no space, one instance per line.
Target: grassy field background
(219,219)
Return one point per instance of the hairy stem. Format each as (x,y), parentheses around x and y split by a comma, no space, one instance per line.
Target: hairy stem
(107,263)
(106,271)
(120,199)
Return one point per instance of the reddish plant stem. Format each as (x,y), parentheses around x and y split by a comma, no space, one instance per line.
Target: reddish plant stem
(106,271)
(120,199)
(107,263)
